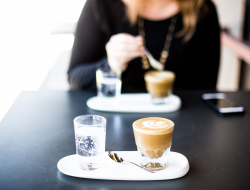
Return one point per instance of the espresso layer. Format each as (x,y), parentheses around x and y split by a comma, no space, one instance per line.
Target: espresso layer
(159,90)
(153,146)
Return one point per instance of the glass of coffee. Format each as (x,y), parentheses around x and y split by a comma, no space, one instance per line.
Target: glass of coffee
(159,84)
(153,137)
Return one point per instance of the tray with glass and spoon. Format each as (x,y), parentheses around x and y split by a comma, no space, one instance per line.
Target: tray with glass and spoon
(178,167)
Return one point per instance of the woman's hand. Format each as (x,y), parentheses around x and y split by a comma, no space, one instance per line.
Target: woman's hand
(122,48)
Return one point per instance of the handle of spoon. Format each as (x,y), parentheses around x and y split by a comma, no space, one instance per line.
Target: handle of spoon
(140,166)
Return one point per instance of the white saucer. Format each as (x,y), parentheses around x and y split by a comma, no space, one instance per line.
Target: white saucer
(178,166)
(135,103)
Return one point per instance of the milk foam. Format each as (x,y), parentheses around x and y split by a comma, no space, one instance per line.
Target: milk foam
(154,76)
(153,124)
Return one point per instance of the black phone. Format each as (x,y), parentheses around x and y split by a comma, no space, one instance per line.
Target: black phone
(222,103)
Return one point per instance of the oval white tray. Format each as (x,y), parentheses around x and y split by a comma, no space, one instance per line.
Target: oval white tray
(137,103)
(178,166)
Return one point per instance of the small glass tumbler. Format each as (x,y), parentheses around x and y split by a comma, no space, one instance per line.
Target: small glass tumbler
(108,84)
(159,84)
(90,137)
(153,137)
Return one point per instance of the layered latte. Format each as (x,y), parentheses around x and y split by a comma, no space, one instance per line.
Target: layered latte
(159,83)
(153,137)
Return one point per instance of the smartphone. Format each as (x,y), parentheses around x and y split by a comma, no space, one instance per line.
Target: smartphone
(222,103)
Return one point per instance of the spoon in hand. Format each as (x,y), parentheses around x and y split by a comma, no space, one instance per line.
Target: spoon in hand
(118,159)
(154,63)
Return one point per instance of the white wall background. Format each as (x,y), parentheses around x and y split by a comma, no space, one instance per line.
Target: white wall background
(27,50)
(231,15)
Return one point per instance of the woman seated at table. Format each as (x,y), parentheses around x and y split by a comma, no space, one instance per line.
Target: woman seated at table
(182,34)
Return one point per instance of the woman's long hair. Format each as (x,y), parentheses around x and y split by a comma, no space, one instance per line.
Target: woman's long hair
(190,10)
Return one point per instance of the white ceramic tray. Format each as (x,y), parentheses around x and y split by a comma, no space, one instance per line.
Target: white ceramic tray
(136,103)
(178,166)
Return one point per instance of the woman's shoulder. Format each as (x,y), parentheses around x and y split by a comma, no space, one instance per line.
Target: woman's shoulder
(108,4)
(208,9)
(106,12)
(208,13)
(210,4)
(109,9)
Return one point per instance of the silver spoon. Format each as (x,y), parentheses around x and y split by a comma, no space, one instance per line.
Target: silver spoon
(116,158)
(154,63)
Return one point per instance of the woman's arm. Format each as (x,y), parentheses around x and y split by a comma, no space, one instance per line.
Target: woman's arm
(241,49)
(88,53)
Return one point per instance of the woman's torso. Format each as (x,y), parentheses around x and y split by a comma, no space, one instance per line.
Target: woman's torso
(185,59)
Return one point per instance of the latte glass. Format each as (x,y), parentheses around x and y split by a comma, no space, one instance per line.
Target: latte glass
(159,84)
(153,137)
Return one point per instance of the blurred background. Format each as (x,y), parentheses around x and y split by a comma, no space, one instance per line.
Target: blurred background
(36,37)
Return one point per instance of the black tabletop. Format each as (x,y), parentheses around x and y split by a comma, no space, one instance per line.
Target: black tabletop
(38,131)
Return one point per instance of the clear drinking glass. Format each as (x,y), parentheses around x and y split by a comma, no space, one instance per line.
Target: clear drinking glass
(90,136)
(108,84)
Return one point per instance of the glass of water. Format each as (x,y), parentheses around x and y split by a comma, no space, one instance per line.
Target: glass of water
(108,84)
(90,136)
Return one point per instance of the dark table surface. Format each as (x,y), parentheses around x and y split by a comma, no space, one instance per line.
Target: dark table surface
(38,131)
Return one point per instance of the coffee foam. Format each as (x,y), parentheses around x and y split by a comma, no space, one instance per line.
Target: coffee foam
(156,76)
(153,125)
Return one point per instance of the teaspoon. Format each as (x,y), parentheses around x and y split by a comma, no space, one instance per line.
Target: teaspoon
(154,63)
(118,159)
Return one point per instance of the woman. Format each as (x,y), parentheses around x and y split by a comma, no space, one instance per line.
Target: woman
(107,35)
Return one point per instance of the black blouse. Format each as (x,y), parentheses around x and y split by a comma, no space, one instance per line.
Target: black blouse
(195,62)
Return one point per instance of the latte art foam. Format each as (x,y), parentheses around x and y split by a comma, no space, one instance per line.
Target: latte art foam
(154,124)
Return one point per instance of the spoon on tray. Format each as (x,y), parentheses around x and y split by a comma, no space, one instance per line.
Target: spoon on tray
(118,159)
